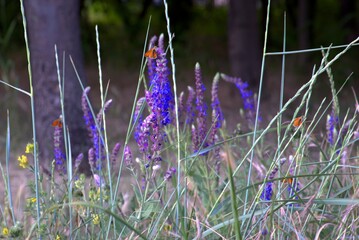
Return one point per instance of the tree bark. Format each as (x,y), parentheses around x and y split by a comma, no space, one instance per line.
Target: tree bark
(53,22)
(243,41)
(347,16)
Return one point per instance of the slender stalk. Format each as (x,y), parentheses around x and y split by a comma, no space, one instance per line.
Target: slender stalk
(257,113)
(130,129)
(36,160)
(7,158)
(69,181)
(308,50)
(176,110)
(279,126)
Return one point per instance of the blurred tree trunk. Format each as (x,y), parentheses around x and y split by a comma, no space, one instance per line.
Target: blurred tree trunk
(305,26)
(53,22)
(347,16)
(243,41)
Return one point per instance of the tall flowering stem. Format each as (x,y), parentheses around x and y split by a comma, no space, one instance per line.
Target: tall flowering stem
(151,63)
(195,144)
(268,188)
(59,155)
(162,90)
(138,118)
(246,94)
(217,114)
(217,119)
(189,106)
(332,121)
(98,145)
(150,133)
(128,157)
(115,151)
(201,106)
(181,108)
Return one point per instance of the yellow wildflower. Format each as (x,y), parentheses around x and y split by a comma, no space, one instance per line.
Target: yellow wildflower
(32,200)
(29,148)
(23,161)
(5,231)
(167,228)
(95,219)
(58,237)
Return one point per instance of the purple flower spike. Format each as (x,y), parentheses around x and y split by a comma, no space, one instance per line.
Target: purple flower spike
(92,129)
(128,156)
(138,117)
(189,106)
(144,134)
(195,144)
(161,89)
(217,118)
(151,63)
(170,173)
(87,113)
(99,182)
(78,160)
(58,153)
(267,192)
(201,106)
(91,157)
(104,109)
(217,115)
(181,108)
(332,121)
(115,151)
(268,188)
(246,94)
(161,43)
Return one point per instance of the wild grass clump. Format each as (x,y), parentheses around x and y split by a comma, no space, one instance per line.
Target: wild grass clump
(190,176)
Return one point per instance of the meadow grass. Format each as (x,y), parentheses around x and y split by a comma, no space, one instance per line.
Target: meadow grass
(190,177)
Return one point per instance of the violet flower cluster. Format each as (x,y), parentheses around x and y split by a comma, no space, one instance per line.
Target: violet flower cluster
(92,130)
(94,133)
(114,153)
(161,91)
(128,156)
(246,94)
(217,120)
(170,172)
(151,63)
(217,114)
(190,114)
(59,155)
(201,108)
(332,121)
(149,132)
(268,188)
